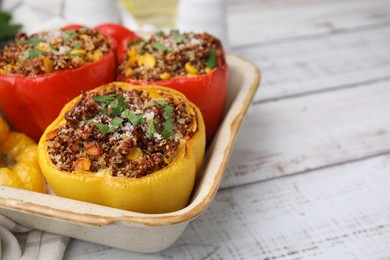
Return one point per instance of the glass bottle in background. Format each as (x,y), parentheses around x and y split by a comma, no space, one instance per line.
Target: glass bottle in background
(204,16)
(157,13)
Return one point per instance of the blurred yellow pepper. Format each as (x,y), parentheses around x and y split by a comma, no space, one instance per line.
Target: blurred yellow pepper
(165,190)
(19,167)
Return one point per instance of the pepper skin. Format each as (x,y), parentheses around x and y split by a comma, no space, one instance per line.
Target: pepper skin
(165,190)
(121,34)
(31,103)
(208,92)
(19,167)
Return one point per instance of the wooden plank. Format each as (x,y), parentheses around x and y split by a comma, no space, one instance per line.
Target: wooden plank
(281,19)
(322,63)
(304,133)
(337,213)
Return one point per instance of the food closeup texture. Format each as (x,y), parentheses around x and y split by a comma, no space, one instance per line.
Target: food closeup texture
(130,147)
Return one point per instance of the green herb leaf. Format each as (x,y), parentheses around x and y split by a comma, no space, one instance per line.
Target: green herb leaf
(71,35)
(160,34)
(212,60)
(151,128)
(168,123)
(76,45)
(179,38)
(133,118)
(118,105)
(25,56)
(36,53)
(116,121)
(22,42)
(135,42)
(168,128)
(158,46)
(32,54)
(34,41)
(83,30)
(51,45)
(102,127)
(105,99)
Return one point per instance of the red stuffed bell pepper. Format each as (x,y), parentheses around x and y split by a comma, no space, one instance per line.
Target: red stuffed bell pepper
(42,72)
(193,64)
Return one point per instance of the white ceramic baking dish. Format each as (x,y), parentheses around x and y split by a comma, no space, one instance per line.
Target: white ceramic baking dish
(130,230)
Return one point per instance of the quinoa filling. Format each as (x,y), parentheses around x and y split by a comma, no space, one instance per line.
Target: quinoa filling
(52,51)
(127,131)
(169,55)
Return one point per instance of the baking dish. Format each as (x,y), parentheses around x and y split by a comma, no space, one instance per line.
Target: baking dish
(131,230)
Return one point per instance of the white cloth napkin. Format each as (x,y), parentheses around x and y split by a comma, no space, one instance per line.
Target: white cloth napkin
(18,242)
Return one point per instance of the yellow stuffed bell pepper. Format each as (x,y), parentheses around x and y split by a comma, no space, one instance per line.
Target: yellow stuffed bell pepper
(124,146)
(19,167)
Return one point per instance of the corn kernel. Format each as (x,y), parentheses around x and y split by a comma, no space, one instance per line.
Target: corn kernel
(77,51)
(208,70)
(134,154)
(41,47)
(128,72)
(146,60)
(84,36)
(191,69)
(82,164)
(165,76)
(132,53)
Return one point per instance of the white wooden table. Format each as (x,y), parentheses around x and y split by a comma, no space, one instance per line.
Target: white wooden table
(309,176)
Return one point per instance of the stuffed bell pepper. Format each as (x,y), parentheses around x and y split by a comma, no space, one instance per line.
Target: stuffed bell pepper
(41,72)
(19,167)
(191,63)
(125,146)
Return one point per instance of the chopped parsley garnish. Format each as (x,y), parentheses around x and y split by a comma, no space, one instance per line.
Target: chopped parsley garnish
(76,45)
(168,123)
(71,35)
(102,127)
(117,105)
(32,42)
(151,128)
(160,47)
(212,60)
(179,38)
(51,45)
(160,34)
(133,118)
(116,121)
(135,42)
(31,54)
(83,30)
(105,99)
